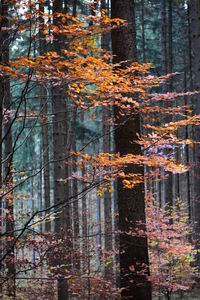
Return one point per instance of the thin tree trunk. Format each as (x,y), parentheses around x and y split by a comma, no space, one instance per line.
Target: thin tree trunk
(164,38)
(195,27)
(190,127)
(170,181)
(71,146)
(6,97)
(143,31)
(184,179)
(85,245)
(106,149)
(74,8)
(164,87)
(40,189)
(170,40)
(133,250)
(44,127)
(75,210)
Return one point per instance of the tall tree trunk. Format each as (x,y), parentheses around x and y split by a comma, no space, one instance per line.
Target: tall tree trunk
(195,27)
(164,88)
(71,146)
(169,182)
(85,245)
(133,250)
(164,38)
(75,210)
(62,221)
(184,179)
(106,149)
(190,127)
(143,31)
(8,154)
(44,127)
(170,40)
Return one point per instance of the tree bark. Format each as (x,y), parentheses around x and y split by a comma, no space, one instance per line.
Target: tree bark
(8,151)
(143,32)
(168,183)
(190,128)
(44,127)
(106,149)
(164,88)
(133,250)
(63,218)
(195,28)
(184,179)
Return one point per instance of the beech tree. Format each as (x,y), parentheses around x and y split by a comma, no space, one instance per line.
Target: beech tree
(133,250)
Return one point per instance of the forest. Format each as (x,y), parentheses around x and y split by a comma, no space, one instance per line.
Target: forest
(99,149)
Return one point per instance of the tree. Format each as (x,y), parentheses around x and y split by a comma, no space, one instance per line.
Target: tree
(171,251)
(44,123)
(8,147)
(133,250)
(106,115)
(195,25)
(63,221)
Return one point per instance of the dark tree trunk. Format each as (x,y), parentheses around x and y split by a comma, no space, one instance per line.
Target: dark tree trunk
(164,38)
(190,127)
(85,246)
(184,179)
(76,218)
(63,219)
(172,181)
(74,8)
(195,28)
(8,150)
(133,250)
(164,87)
(45,127)
(71,146)
(170,41)
(106,148)
(143,31)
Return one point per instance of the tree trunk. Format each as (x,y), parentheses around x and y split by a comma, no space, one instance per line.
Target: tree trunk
(8,151)
(170,40)
(106,149)
(85,245)
(184,179)
(164,87)
(133,250)
(190,127)
(62,220)
(75,212)
(195,27)
(172,181)
(71,145)
(143,32)
(164,38)
(44,127)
